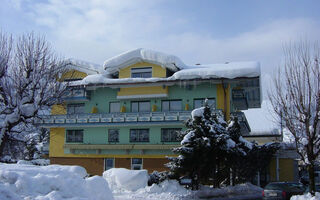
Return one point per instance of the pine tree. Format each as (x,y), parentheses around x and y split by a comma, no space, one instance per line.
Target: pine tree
(247,157)
(203,148)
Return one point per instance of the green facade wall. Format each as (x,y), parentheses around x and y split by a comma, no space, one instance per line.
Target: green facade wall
(101,97)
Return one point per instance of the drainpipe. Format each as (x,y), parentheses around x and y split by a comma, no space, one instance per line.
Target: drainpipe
(277,168)
(225,86)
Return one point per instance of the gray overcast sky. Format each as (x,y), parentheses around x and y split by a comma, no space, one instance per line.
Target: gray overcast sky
(196,31)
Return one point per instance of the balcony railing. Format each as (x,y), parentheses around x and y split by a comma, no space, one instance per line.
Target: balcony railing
(76,94)
(116,117)
(132,117)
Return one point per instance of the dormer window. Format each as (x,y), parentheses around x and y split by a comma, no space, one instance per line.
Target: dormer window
(145,72)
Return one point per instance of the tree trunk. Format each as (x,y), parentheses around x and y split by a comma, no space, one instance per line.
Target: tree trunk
(311,179)
(4,141)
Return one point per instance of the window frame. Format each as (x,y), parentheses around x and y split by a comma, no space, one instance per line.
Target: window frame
(73,106)
(139,132)
(106,161)
(109,137)
(136,164)
(138,103)
(170,134)
(169,101)
(112,103)
(203,99)
(73,131)
(141,72)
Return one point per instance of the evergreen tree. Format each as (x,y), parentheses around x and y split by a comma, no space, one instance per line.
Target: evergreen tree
(248,157)
(203,148)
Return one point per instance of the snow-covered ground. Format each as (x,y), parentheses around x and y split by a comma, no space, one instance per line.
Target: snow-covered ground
(56,182)
(306,197)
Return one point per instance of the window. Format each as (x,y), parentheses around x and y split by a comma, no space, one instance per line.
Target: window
(139,135)
(108,163)
(200,103)
(171,105)
(140,106)
(170,134)
(114,107)
(136,163)
(113,135)
(75,136)
(145,72)
(75,108)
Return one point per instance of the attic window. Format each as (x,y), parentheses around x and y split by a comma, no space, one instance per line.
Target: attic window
(145,72)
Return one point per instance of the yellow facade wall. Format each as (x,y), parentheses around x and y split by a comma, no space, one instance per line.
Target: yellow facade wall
(157,71)
(286,169)
(59,109)
(73,74)
(221,100)
(57,140)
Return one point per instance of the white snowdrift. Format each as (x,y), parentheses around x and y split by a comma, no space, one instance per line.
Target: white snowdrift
(137,55)
(124,179)
(53,182)
(306,197)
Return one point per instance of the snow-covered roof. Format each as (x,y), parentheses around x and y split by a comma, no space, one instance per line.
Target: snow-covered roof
(226,70)
(262,120)
(84,66)
(125,59)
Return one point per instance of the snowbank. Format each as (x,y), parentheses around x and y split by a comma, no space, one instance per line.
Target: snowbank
(306,197)
(123,179)
(53,182)
(169,190)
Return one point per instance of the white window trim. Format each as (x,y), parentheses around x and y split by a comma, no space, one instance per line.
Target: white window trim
(137,164)
(105,163)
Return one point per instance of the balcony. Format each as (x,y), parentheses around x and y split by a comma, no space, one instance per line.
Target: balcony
(113,118)
(129,118)
(76,94)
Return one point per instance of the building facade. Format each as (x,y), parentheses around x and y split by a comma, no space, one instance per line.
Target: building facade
(127,112)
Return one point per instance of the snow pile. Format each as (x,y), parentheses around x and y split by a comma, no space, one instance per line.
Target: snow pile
(168,189)
(125,59)
(123,179)
(244,190)
(54,182)
(306,197)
